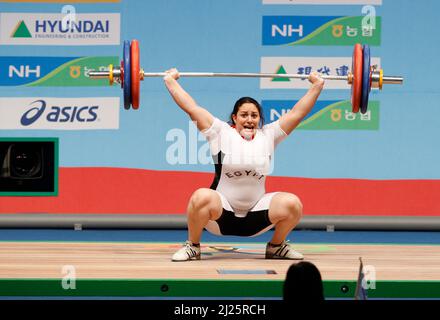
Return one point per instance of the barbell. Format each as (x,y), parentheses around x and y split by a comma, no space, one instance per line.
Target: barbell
(362,77)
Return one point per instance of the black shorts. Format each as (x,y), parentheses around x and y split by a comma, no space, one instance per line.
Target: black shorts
(255,222)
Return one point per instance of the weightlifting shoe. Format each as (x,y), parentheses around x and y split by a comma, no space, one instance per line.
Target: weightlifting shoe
(187,252)
(282,251)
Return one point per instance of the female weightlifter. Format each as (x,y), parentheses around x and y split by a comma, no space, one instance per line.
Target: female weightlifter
(236,203)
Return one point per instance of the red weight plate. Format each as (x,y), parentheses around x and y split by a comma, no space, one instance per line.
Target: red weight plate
(135,75)
(356,85)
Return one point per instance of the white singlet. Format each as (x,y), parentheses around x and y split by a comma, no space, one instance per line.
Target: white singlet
(241,166)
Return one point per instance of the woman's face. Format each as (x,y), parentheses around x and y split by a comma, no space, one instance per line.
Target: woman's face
(247,120)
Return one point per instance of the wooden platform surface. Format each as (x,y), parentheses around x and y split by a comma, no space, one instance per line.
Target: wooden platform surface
(93,260)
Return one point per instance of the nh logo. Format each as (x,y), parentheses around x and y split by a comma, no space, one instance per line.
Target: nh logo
(23,71)
(286,30)
(276,114)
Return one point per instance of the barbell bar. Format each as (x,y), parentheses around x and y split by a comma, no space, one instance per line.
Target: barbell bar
(362,77)
(105,75)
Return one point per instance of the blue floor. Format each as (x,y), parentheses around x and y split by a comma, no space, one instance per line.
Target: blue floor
(300,236)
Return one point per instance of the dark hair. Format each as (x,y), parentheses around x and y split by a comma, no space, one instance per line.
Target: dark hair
(303,283)
(242,101)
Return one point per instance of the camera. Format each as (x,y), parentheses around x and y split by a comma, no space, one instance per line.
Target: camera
(28,166)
